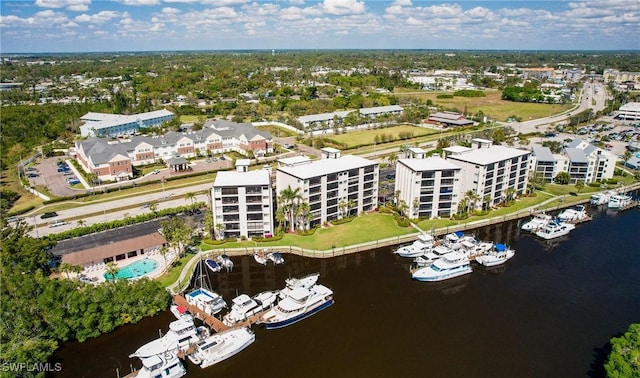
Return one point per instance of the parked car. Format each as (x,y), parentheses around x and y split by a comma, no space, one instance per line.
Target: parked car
(32,175)
(31,169)
(74,182)
(155,171)
(49,214)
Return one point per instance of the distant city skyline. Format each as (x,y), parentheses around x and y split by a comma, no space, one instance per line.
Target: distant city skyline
(159,25)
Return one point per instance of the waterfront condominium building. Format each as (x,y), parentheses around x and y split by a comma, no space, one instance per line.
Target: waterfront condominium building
(430,187)
(242,204)
(495,173)
(333,186)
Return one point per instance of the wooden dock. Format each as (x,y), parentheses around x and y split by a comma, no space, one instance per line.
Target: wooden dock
(584,219)
(214,323)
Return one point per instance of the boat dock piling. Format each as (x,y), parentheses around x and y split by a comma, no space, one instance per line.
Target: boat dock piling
(214,323)
(586,218)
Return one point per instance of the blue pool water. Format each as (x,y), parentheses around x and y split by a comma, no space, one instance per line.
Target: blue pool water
(135,269)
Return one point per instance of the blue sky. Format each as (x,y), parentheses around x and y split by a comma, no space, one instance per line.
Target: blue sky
(152,25)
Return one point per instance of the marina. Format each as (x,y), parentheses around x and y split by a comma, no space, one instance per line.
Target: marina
(555,292)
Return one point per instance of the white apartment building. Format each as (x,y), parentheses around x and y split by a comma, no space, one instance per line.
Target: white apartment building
(490,170)
(430,187)
(583,161)
(242,202)
(329,183)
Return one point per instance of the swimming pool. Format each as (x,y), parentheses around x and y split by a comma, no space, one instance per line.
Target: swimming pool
(136,269)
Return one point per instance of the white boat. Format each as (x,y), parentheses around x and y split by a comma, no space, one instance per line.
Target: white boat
(424,243)
(573,214)
(212,265)
(164,365)
(538,220)
(456,239)
(498,255)
(206,300)
(219,347)
(245,306)
(276,258)
(225,261)
(602,198)
(182,333)
(554,229)
(451,265)
(178,311)
(294,283)
(299,304)
(618,201)
(261,258)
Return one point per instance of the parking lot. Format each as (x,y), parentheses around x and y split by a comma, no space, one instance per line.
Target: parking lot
(46,173)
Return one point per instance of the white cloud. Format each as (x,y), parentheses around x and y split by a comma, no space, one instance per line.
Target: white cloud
(72,5)
(296,2)
(98,18)
(136,3)
(170,10)
(342,7)
(224,3)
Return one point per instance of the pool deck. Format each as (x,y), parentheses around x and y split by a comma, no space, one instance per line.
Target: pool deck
(96,273)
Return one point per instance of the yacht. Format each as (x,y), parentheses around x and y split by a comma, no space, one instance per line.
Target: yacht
(164,365)
(212,265)
(276,258)
(618,201)
(245,306)
(432,255)
(182,334)
(225,261)
(299,304)
(576,213)
(554,229)
(294,283)
(456,239)
(498,255)
(424,243)
(206,300)
(220,346)
(598,199)
(451,265)
(538,220)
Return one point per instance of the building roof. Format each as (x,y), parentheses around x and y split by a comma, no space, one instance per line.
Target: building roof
(294,160)
(457,149)
(433,163)
(176,160)
(543,153)
(326,166)
(490,155)
(99,253)
(235,179)
(630,107)
(343,113)
(381,109)
(576,155)
(103,120)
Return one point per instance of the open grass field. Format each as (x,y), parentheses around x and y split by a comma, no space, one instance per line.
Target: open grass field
(360,137)
(491,105)
(278,132)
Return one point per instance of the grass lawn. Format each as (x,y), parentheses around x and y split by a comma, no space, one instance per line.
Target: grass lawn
(176,268)
(357,231)
(360,137)
(491,105)
(277,131)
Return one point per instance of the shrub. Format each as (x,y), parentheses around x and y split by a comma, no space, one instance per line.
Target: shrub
(336,222)
(444,96)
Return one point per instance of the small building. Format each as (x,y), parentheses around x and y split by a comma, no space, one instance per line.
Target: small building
(448,119)
(629,111)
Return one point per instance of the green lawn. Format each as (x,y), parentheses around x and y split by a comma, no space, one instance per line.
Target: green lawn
(360,137)
(357,231)
(277,131)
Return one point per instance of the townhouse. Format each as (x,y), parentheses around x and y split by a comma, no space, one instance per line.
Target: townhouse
(112,159)
(334,186)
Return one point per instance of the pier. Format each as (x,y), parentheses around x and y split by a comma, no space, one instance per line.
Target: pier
(214,323)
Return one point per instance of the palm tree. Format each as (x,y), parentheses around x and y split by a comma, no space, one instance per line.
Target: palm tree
(510,193)
(112,270)
(220,228)
(402,208)
(302,212)
(163,252)
(190,196)
(153,206)
(289,198)
(281,217)
(81,222)
(579,185)
(67,268)
(473,198)
(350,205)
(486,202)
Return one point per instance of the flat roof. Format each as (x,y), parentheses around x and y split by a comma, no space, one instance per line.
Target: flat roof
(457,149)
(232,178)
(486,156)
(433,163)
(295,160)
(326,166)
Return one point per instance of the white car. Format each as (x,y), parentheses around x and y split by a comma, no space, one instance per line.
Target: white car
(58,223)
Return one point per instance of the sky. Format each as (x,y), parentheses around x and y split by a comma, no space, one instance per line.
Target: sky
(33,26)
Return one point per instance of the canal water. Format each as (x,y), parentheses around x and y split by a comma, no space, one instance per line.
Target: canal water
(550,312)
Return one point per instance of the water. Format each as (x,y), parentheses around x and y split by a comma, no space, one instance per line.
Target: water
(550,312)
(135,269)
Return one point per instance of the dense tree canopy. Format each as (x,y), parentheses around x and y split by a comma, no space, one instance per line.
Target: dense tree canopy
(624,359)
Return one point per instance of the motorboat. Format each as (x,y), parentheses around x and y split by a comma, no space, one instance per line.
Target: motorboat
(451,265)
(619,201)
(207,300)
(294,283)
(432,255)
(261,258)
(298,304)
(476,248)
(225,261)
(602,198)
(576,213)
(424,243)
(538,220)
(220,346)
(178,311)
(212,265)
(455,240)
(164,365)
(276,258)
(182,333)
(498,255)
(554,229)
(244,306)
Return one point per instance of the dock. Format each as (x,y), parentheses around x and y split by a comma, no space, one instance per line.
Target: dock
(586,218)
(214,323)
